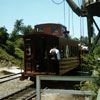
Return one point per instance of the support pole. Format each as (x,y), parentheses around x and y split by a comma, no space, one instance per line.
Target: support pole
(90,30)
(74,7)
(97,37)
(38,87)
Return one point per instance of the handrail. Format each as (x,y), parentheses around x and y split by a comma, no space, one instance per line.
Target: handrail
(61,78)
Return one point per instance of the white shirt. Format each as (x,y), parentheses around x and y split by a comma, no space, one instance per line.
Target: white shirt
(57,52)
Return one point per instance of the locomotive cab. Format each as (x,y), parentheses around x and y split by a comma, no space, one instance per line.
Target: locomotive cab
(52,29)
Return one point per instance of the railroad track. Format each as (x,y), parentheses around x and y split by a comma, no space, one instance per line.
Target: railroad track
(26,93)
(9,77)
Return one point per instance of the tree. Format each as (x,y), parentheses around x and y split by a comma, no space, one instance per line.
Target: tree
(18,26)
(3,36)
(19,53)
(97,51)
(10,48)
(19,43)
(76,39)
(27,30)
(13,36)
(91,64)
(84,40)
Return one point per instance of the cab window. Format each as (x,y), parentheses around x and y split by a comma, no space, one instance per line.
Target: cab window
(39,29)
(54,29)
(63,29)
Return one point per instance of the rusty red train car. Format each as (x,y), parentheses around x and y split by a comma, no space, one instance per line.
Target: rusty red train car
(37,46)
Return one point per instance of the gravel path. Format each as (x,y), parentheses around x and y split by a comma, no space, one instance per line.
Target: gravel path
(50,96)
(13,86)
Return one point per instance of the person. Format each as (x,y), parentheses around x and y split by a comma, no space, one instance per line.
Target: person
(56,52)
(54,60)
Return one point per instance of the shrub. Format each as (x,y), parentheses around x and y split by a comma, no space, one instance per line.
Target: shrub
(92,65)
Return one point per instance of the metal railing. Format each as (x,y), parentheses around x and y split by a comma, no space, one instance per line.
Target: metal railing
(61,78)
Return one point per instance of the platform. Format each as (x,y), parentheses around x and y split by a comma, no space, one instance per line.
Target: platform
(94,8)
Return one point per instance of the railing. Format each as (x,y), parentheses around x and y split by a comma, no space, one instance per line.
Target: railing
(62,78)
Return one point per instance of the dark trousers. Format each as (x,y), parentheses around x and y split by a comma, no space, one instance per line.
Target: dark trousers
(54,66)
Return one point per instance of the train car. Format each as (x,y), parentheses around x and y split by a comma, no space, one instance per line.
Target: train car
(37,51)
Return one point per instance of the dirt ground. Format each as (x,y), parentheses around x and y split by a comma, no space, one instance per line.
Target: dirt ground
(48,96)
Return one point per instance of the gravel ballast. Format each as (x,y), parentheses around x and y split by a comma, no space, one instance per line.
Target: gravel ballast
(13,86)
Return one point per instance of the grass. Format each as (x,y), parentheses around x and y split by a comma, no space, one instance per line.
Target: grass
(6,60)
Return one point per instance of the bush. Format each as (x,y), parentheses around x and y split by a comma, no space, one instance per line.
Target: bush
(10,47)
(90,62)
(7,60)
(19,43)
(19,53)
(92,65)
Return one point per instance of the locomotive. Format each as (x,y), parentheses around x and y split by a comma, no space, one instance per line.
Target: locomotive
(37,48)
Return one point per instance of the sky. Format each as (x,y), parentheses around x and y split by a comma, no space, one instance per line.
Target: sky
(41,11)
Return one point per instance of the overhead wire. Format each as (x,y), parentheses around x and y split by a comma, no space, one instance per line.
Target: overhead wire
(64,14)
(63,1)
(68,18)
(58,2)
(80,23)
(81,33)
(82,20)
(80,29)
(83,26)
(72,24)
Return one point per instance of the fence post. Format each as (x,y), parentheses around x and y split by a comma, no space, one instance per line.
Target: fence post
(38,86)
(98,96)
(86,98)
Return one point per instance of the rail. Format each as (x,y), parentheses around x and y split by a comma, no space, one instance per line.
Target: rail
(12,96)
(61,78)
(9,77)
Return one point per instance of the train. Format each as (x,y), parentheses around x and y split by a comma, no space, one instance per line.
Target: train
(37,51)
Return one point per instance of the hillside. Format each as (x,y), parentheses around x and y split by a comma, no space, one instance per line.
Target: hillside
(6,60)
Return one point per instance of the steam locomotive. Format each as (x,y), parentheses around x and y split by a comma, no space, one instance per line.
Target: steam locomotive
(37,46)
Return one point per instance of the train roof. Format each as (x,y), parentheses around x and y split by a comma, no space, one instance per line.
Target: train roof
(49,24)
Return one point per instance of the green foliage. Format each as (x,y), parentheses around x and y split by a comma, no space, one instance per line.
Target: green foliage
(3,35)
(97,51)
(19,43)
(89,62)
(84,40)
(7,60)
(19,53)
(14,36)
(76,39)
(27,29)
(13,44)
(10,47)
(92,65)
(18,26)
